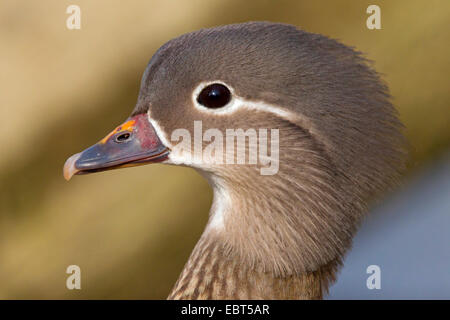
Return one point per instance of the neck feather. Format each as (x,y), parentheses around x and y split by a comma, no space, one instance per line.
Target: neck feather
(212,272)
(273,237)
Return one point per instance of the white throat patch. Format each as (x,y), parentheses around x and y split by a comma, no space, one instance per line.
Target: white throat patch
(177,156)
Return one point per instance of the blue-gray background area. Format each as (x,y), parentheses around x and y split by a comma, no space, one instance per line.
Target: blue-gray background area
(408,237)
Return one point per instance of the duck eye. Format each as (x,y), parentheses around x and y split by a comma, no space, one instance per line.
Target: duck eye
(214,96)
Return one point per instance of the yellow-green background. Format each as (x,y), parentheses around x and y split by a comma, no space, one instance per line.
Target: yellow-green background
(61,90)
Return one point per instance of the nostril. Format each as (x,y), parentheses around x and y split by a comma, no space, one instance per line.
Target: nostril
(123,137)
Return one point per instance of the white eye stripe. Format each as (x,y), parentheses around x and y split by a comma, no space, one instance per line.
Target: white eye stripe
(237,103)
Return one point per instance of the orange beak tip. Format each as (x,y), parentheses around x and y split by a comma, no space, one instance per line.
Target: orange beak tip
(69,167)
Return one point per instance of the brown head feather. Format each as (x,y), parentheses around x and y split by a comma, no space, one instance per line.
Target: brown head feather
(341,149)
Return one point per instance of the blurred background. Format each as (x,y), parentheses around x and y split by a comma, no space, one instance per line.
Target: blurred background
(131,231)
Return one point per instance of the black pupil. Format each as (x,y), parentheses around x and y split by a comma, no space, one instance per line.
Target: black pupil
(214,96)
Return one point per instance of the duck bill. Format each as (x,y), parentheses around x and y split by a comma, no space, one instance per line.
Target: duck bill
(133,143)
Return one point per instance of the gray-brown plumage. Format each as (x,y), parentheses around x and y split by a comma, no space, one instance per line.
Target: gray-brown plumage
(282,236)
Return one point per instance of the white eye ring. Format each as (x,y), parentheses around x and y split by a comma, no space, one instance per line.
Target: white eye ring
(214,96)
(226,109)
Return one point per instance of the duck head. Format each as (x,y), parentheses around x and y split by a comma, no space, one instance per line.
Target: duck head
(328,139)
